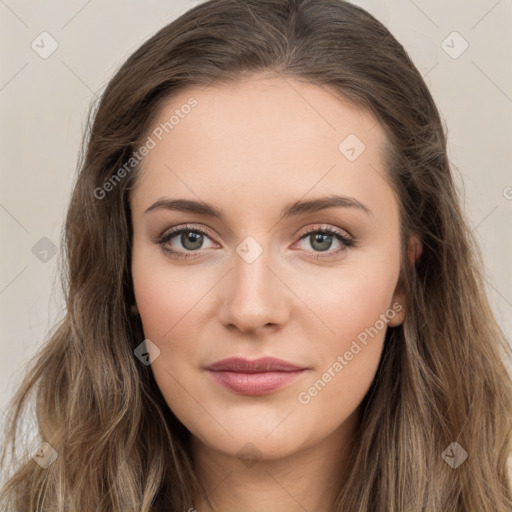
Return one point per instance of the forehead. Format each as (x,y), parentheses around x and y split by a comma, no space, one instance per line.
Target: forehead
(263,138)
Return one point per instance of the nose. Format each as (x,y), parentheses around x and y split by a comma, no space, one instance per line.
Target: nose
(254,296)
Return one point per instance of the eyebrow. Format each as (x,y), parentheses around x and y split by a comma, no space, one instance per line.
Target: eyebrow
(290,210)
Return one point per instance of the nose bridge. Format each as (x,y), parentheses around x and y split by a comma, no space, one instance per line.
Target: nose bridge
(253,296)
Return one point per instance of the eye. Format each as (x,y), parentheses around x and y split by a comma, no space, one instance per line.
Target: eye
(320,239)
(191,239)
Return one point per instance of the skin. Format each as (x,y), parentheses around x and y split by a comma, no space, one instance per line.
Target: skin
(249,149)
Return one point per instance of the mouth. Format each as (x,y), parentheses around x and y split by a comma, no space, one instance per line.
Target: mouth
(253,378)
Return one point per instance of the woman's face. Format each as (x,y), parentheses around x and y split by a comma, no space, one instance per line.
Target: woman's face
(264,280)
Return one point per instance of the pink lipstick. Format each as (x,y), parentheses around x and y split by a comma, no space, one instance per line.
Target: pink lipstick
(254,378)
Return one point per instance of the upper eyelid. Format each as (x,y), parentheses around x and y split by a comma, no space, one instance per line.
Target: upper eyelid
(178,229)
(325,227)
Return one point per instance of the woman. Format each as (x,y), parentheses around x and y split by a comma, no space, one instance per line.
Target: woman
(273,298)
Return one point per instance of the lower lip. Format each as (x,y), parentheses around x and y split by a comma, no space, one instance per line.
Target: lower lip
(254,384)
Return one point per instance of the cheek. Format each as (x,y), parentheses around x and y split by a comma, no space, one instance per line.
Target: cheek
(353,298)
(154,301)
(162,295)
(171,302)
(356,308)
(358,320)
(360,305)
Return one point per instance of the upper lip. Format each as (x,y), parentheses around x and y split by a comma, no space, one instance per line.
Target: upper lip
(263,364)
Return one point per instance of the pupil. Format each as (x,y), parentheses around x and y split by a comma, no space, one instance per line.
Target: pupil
(191,240)
(322,237)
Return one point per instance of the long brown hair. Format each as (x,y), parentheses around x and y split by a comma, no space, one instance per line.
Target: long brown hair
(442,378)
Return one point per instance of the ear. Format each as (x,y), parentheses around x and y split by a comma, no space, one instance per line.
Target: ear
(414,250)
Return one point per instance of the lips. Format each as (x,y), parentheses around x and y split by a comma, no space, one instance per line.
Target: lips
(264,364)
(258,377)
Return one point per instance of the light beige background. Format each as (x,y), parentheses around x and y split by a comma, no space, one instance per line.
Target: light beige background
(44,102)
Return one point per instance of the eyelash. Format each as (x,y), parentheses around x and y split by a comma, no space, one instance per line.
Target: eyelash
(163,239)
